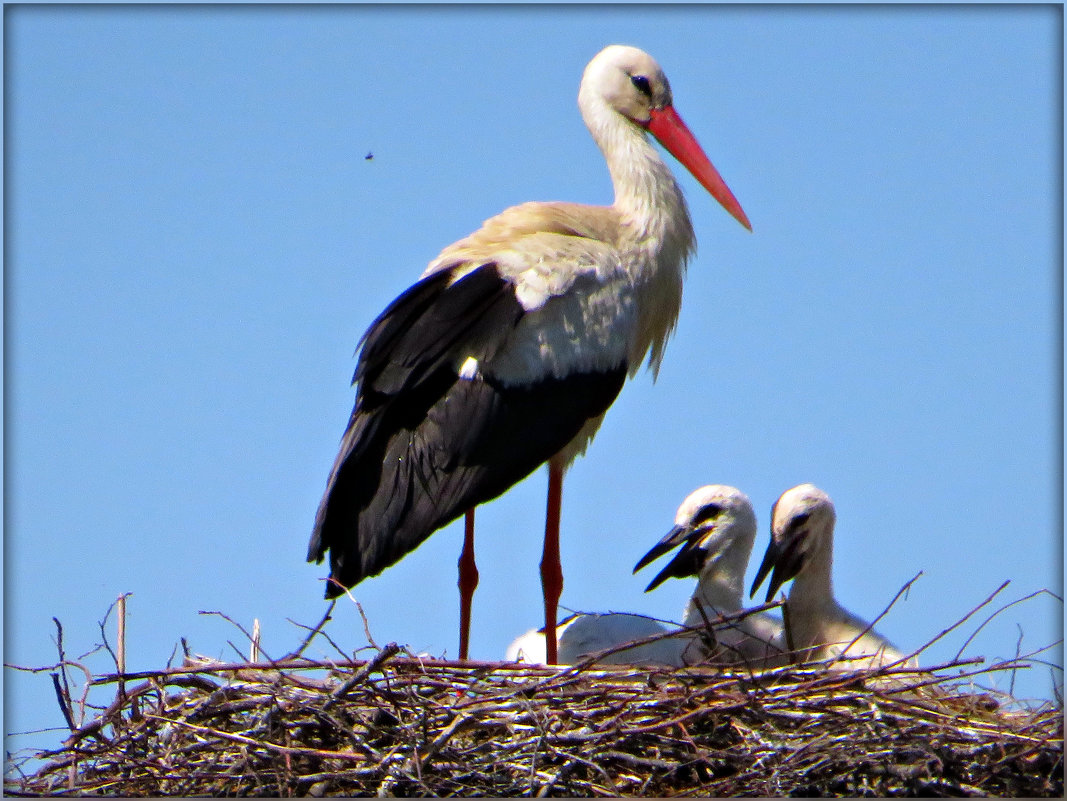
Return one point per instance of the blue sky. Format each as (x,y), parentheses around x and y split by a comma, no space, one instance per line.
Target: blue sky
(195,242)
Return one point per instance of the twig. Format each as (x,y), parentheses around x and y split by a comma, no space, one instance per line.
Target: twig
(120,659)
(253,649)
(239,627)
(64,701)
(312,633)
(62,665)
(366,625)
(960,622)
(1018,650)
(103,634)
(997,612)
(873,623)
(388,652)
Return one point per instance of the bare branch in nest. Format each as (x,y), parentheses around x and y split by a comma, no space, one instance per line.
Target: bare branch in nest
(366,625)
(360,675)
(962,620)
(1001,609)
(63,697)
(248,635)
(314,631)
(870,626)
(103,631)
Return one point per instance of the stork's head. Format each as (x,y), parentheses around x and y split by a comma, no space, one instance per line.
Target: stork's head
(628,82)
(802,524)
(715,527)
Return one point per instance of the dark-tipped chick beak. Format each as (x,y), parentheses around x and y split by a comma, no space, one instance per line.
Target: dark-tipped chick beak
(786,559)
(686,563)
(675,537)
(769,559)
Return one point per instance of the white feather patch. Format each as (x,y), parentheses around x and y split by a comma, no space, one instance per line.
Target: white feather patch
(469,369)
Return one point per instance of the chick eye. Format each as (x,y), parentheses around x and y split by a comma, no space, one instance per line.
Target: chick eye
(706,513)
(799,521)
(642,85)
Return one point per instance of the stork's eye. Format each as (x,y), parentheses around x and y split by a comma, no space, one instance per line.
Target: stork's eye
(706,513)
(642,84)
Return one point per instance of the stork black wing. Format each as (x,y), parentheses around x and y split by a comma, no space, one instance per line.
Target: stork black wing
(423,444)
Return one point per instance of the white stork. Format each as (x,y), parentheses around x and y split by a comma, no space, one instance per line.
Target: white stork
(801,548)
(715,527)
(511,347)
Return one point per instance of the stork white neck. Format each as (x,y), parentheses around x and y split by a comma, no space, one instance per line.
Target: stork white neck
(722,580)
(813,587)
(719,591)
(647,196)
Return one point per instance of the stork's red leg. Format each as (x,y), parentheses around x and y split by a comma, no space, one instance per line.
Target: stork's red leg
(551,570)
(468,580)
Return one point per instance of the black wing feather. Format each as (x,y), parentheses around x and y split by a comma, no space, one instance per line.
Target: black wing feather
(474,444)
(422,444)
(401,372)
(421,329)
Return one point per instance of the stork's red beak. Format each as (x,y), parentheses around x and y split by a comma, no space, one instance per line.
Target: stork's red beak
(672,133)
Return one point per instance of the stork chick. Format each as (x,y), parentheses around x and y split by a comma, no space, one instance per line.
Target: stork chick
(716,528)
(583,635)
(801,549)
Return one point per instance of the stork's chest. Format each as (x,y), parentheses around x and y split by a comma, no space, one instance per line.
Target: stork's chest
(589,328)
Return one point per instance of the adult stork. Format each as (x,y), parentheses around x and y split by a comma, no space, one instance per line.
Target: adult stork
(513,344)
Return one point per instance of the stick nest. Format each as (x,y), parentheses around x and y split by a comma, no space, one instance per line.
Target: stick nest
(400,725)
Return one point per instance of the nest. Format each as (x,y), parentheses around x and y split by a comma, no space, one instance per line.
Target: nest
(399,725)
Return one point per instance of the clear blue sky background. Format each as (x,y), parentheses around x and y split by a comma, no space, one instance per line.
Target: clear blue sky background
(195,243)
